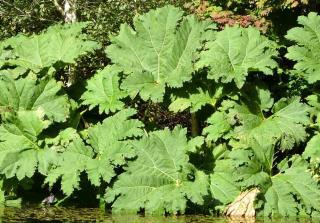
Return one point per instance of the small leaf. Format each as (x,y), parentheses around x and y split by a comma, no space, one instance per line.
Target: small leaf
(103,91)
(219,125)
(312,149)
(306,52)
(196,100)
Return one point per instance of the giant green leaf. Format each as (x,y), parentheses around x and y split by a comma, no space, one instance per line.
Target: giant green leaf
(60,43)
(292,190)
(160,180)
(30,94)
(245,120)
(238,170)
(236,52)
(306,51)
(297,181)
(21,153)
(103,90)
(108,147)
(158,52)
(286,126)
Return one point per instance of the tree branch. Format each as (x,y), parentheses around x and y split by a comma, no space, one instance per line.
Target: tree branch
(60,9)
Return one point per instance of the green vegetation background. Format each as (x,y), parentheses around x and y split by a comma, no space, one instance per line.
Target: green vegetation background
(254,126)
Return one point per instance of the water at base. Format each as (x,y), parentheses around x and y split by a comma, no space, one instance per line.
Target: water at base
(87,215)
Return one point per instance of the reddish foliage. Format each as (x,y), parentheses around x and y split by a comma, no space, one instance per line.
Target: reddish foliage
(229,18)
(226,18)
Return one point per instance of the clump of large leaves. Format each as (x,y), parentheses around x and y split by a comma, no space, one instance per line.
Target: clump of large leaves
(306,51)
(235,52)
(108,146)
(103,90)
(57,46)
(158,53)
(255,128)
(161,179)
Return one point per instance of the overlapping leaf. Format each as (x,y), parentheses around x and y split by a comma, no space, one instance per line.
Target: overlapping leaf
(238,170)
(255,137)
(306,51)
(312,150)
(219,125)
(4,53)
(223,185)
(30,94)
(196,100)
(2,195)
(13,72)
(160,180)
(60,43)
(21,153)
(109,147)
(291,191)
(297,181)
(250,169)
(237,51)
(103,90)
(285,126)
(70,165)
(60,142)
(159,52)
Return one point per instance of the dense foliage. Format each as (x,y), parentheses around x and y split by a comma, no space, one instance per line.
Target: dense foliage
(253,120)
(271,17)
(107,15)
